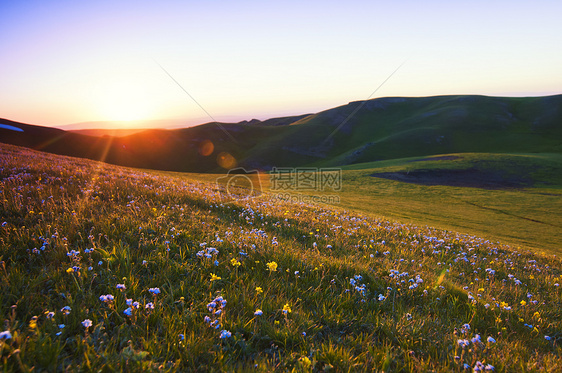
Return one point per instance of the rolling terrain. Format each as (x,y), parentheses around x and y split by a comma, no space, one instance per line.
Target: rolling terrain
(359,132)
(107,268)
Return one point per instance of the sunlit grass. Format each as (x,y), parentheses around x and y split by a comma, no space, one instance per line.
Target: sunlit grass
(171,274)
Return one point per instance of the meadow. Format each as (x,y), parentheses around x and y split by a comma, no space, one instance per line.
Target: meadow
(110,268)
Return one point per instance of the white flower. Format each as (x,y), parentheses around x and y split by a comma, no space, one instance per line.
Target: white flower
(5,335)
(87,323)
(258,312)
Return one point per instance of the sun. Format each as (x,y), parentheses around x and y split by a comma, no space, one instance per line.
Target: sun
(119,101)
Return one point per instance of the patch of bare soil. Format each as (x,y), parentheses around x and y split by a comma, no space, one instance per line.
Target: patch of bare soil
(471,178)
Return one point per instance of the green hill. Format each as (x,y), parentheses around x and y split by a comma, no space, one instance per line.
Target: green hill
(359,132)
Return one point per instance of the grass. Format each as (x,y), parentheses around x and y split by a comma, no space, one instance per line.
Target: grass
(528,216)
(337,290)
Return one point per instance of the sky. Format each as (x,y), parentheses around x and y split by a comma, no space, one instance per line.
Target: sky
(66,62)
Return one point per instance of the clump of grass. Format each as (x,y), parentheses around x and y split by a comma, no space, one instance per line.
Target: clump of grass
(105,267)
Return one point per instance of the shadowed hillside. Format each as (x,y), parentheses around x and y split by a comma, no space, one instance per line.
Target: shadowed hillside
(379,129)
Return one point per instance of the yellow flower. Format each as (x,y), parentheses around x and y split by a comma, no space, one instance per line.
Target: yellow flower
(532,277)
(214,277)
(33,323)
(272,266)
(259,290)
(235,262)
(503,304)
(286,308)
(70,270)
(481,290)
(523,303)
(537,315)
(306,362)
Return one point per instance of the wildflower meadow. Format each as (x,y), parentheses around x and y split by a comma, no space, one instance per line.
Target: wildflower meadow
(105,268)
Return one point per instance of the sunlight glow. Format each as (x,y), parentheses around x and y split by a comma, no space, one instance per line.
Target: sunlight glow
(119,101)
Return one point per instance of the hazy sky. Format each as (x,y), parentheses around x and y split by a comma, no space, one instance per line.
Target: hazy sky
(72,61)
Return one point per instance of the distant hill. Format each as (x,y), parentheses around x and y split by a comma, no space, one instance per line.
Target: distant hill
(379,129)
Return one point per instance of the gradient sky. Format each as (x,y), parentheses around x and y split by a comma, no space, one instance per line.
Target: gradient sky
(70,61)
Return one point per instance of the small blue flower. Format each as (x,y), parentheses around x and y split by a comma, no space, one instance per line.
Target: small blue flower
(154,291)
(5,335)
(128,311)
(225,334)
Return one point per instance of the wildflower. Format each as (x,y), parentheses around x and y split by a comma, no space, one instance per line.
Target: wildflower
(66,310)
(149,306)
(286,308)
(272,266)
(214,277)
(121,286)
(523,303)
(235,263)
(225,334)
(463,343)
(207,319)
(408,316)
(100,263)
(144,262)
(258,312)
(128,311)
(304,334)
(5,335)
(476,339)
(491,340)
(547,337)
(489,367)
(61,326)
(182,337)
(154,291)
(87,323)
(136,305)
(50,315)
(216,263)
(381,298)
(259,290)
(70,270)
(129,302)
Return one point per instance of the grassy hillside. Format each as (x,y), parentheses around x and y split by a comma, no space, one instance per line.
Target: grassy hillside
(379,129)
(516,198)
(109,268)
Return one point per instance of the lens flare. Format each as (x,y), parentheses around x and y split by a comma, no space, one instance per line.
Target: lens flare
(206,148)
(226,160)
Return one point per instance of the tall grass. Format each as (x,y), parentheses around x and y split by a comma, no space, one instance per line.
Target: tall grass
(108,268)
